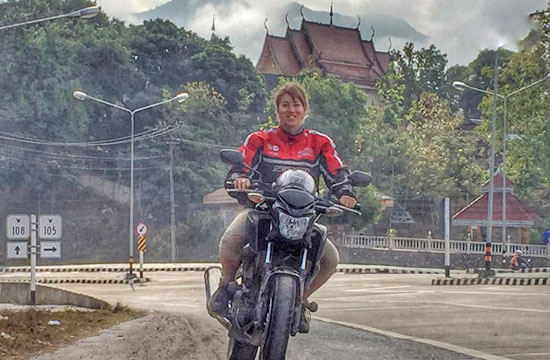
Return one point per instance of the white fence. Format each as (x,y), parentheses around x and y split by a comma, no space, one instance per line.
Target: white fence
(438,245)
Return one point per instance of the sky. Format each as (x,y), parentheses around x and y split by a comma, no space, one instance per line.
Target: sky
(459,28)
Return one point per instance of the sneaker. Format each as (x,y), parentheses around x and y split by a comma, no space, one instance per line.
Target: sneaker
(220,300)
(305,319)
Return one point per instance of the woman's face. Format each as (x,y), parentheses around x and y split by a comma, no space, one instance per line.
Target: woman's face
(291,114)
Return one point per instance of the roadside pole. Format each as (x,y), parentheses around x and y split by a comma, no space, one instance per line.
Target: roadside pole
(34,228)
(447,238)
(141,229)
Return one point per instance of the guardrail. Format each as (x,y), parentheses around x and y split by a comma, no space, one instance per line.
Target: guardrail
(438,245)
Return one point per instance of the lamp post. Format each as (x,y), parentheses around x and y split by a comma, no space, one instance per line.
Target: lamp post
(180,98)
(459,85)
(85,13)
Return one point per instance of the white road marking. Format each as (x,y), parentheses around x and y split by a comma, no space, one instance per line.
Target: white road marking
(369,289)
(480,293)
(529,354)
(464,305)
(373,308)
(439,344)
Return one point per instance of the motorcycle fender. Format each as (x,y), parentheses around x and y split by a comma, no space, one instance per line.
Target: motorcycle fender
(261,310)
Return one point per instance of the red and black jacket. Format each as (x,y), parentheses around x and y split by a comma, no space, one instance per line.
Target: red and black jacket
(271,152)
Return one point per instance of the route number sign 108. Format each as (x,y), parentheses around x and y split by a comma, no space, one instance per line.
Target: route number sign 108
(18,227)
(50,227)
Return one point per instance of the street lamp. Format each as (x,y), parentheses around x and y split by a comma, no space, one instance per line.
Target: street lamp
(459,85)
(85,13)
(181,97)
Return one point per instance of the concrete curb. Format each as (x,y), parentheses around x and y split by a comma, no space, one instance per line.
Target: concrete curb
(80,281)
(492,281)
(535,270)
(381,270)
(101,269)
(510,271)
(19,293)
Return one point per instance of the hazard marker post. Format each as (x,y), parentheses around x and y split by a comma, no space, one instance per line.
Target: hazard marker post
(142,245)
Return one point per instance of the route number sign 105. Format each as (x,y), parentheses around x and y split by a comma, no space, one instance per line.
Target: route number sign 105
(50,227)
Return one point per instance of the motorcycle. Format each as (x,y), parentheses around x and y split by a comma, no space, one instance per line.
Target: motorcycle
(280,258)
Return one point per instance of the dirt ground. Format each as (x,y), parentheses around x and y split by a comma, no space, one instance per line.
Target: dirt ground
(155,336)
(25,332)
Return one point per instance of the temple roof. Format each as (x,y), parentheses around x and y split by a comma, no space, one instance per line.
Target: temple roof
(332,49)
(517,213)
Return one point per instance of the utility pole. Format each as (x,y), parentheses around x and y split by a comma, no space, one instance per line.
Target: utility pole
(172,142)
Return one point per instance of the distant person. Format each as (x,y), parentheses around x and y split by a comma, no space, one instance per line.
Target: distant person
(518,262)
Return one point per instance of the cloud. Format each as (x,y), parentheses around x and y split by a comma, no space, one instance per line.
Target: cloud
(459,28)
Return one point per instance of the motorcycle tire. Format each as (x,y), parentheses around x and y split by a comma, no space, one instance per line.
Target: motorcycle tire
(279,318)
(241,351)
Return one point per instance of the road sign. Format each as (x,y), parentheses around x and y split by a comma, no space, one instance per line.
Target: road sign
(142,243)
(50,227)
(141,229)
(18,227)
(50,249)
(18,250)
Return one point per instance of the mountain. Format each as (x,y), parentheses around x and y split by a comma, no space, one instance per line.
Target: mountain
(247,37)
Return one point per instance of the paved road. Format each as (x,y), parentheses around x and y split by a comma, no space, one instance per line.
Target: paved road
(404,314)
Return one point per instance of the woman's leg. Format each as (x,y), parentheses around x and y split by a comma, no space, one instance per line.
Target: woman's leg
(329,261)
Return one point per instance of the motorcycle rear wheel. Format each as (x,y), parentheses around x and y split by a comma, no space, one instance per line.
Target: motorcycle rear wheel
(241,351)
(279,318)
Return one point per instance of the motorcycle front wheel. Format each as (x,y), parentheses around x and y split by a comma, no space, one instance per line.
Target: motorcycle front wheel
(238,350)
(279,318)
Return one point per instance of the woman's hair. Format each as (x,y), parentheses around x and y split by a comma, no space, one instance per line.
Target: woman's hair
(295,91)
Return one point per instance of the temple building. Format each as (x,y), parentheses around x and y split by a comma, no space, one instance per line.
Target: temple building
(326,48)
(519,218)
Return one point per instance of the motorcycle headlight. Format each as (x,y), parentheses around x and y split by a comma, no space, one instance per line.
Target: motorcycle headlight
(292,228)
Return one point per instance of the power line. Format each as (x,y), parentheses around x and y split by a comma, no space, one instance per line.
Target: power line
(79,157)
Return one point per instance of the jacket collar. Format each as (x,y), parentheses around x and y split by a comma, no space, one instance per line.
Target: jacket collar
(290,137)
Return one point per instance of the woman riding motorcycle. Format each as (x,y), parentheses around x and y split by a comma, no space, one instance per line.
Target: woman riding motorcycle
(270,153)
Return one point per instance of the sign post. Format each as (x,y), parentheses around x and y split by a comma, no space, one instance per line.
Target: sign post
(33,259)
(142,245)
(21,227)
(447,238)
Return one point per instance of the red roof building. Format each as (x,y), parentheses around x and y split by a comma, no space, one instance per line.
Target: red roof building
(328,49)
(518,214)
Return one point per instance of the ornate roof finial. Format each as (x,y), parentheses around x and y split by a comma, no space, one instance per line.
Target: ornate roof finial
(213,22)
(331,13)
(389,49)
(286,19)
(372,36)
(265,26)
(302,12)
(359,23)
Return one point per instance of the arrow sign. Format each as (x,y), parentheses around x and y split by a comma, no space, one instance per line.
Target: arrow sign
(17,250)
(50,249)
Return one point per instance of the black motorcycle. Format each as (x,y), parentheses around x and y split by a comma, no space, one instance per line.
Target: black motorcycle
(283,248)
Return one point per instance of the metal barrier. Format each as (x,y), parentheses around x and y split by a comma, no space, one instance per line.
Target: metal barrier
(438,245)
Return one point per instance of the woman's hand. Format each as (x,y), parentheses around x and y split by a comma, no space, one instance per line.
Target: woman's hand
(241,183)
(347,201)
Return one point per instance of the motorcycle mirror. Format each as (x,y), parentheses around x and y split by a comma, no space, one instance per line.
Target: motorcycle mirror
(233,157)
(360,178)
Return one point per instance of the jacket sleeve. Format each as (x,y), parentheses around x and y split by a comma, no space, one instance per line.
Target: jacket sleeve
(334,170)
(251,151)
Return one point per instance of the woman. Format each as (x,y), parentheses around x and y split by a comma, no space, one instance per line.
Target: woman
(289,146)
